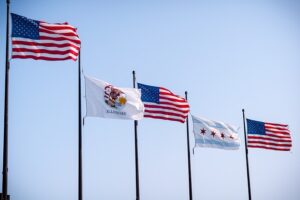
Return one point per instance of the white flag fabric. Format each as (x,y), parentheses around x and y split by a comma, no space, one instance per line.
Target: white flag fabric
(215,134)
(105,100)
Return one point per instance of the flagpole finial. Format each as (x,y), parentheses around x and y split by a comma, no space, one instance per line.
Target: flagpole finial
(134,79)
(243,110)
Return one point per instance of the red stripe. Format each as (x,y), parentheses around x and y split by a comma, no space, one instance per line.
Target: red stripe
(277,128)
(45,51)
(16,42)
(270,139)
(284,125)
(176,105)
(64,23)
(274,135)
(165,107)
(171,94)
(269,143)
(167,93)
(164,118)
(279,132)
(63,34)
(43,58)
(165,113)
(162,88)
(58,27)
(278,136)
(59,39)
(272,148)
(172,99)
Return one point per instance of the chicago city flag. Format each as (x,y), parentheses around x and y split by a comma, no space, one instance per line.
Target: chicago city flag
(105,100)
(215,134)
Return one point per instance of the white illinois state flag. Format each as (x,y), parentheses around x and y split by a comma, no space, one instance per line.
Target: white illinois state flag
(105,100)
(215,134)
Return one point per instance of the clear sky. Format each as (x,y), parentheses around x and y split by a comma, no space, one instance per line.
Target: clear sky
(228,56)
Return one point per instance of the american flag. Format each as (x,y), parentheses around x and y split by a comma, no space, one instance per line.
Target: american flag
(161,103)
(43,41)
(268,135)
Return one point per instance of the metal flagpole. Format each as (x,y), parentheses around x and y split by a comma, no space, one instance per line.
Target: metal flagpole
(189,154)
(4,195)
(246,151)
(79,132)
(137,182)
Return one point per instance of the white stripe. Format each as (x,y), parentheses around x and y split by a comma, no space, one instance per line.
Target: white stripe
(272,129)
(165,116)
(46,41)
(44,55)
(276,126)
(169,93)
(268,136)
(165,90)
(166,110)
(56,25)
(276,134)
(57,31)
(173,102)
(267,141)
(168,106)
(172,97)
(46,48)
(276,147)
(58,35)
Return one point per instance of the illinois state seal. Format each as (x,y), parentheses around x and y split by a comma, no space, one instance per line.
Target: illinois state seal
(114,97)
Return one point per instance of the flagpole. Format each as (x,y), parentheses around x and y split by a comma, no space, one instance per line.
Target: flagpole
(189,154)
(4,195)
(79,132)
(246,151)
(137,182)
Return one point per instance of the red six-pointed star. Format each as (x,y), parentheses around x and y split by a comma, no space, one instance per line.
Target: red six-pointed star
(203,131)
(213,133)
(222,135)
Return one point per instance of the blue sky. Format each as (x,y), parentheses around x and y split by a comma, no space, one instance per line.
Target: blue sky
(227,55)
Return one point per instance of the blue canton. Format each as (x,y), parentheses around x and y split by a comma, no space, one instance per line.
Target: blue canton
(149,93)
(24,28)
(255,127)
